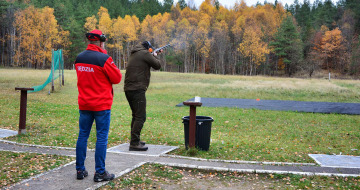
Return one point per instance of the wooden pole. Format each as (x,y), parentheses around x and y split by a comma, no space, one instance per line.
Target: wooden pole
(62,67)
(59,70)
(192,126)
(52,72)
(23,105)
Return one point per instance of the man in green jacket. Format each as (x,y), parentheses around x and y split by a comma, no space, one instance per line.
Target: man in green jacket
(137,80)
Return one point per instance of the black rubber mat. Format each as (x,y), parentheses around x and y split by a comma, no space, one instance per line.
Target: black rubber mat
(281,105)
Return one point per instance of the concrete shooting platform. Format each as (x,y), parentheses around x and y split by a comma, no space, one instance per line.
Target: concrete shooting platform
(336,161)
(7,133)
(154,150)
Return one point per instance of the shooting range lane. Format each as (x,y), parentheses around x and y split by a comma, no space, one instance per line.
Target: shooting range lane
(336,161)
(282,105)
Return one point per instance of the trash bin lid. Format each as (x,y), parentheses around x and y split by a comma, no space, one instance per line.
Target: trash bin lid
(198,118)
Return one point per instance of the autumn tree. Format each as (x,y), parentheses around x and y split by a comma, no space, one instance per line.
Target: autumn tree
(117,36)
(202,40)
(333,49)
(38,33)
(91,23)
(253,48)
(105,23)
(184,34)
(129,30)
(221,45)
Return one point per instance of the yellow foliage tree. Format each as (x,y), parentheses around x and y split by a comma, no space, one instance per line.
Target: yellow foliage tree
(39,33)
(253,47)
(146,29)
(117,36)
(202,40)
(91,23)
(105,22)
(129,35)
(221,43)
(184,34)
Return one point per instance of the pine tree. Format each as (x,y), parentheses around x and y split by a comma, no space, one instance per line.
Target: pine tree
(354,5)
(182,4)
(287,45)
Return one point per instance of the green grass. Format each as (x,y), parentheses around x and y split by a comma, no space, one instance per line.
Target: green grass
(18,166)
(237,134)
(164,177)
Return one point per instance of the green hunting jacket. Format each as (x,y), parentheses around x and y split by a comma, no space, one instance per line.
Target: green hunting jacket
(137,76)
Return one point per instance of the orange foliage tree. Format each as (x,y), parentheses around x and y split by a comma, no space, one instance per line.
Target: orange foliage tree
(332,47)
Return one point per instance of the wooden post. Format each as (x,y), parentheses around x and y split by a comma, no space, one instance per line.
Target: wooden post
(23,105)
(62,67)
(52,72)
(192,120)
(59,70)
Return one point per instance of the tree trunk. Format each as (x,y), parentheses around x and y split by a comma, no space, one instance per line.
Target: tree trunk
(251,65)
(12,45)
(185,61)
(3,47)
(119,56)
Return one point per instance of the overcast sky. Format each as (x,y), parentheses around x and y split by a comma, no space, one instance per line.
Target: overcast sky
(230,3)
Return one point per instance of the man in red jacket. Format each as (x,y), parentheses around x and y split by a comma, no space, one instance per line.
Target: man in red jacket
(96,73)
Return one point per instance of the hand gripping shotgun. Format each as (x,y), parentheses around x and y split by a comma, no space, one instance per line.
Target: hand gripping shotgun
(160,48)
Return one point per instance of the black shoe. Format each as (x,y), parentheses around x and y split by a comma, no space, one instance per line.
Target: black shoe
(138,147)
(103,177)
(80,174)
(142,143)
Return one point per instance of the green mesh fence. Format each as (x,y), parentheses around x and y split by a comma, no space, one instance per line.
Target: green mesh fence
(57,68)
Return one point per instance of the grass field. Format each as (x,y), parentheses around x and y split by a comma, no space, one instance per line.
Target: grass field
(237,134)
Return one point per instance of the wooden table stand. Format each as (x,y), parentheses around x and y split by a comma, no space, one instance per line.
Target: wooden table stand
(192,120)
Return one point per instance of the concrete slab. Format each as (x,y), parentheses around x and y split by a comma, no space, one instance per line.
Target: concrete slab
(154,150)
(338,161)
(7,133)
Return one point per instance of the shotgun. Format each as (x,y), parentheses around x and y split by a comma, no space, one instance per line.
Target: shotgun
(160,48)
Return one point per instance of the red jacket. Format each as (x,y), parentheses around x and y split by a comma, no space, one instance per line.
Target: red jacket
(96,72)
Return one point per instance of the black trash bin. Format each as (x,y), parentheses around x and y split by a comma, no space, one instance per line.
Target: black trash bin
(202,133)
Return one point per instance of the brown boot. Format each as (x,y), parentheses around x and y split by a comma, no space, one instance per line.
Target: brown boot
(138,147)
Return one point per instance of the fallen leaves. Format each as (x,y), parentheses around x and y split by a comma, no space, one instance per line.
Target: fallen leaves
(17,166)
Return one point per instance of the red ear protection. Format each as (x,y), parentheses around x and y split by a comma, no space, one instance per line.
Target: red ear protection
(150,50)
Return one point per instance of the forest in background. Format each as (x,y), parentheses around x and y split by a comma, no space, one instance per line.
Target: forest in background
(266,39)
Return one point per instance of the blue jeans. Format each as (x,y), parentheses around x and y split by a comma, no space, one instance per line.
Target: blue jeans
(102,120)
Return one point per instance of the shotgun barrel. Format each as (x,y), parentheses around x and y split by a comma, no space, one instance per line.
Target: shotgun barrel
(160,48)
